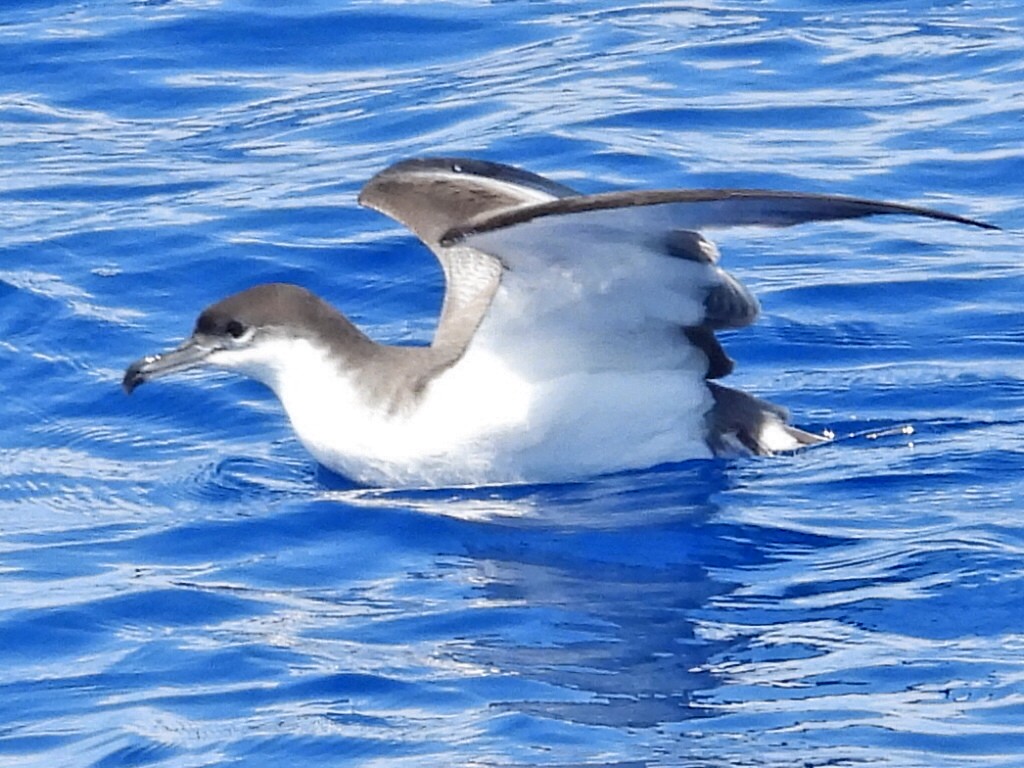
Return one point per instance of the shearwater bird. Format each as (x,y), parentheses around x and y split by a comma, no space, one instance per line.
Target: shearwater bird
(576,337)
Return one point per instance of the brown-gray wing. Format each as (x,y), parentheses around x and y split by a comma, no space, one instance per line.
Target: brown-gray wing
(431,196)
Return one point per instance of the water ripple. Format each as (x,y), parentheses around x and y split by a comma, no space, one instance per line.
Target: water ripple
(182,586)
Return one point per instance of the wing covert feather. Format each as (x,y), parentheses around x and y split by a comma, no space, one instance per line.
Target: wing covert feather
(432,195)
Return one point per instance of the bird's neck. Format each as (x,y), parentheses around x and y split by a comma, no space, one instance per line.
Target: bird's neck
(317,375)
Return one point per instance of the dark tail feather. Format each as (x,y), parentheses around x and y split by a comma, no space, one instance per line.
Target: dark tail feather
(743,424)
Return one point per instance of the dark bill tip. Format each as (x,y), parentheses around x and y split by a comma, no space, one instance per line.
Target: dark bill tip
(190,354)
(133,376)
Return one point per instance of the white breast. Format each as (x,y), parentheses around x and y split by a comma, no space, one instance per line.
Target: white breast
(482,421)
(449,436)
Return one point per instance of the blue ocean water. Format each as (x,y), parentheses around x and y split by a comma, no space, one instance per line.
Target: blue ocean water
(180,585)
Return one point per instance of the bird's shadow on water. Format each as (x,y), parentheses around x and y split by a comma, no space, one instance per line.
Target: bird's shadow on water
(605,584)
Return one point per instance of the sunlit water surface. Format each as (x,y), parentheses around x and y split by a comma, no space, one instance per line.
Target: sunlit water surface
(181,586)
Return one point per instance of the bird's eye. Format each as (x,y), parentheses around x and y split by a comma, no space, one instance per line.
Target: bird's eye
(234,329)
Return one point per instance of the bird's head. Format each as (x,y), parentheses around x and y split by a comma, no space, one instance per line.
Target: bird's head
(253,333)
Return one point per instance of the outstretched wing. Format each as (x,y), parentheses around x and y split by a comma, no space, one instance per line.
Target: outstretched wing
(562,281)
(431,196)
(697,209)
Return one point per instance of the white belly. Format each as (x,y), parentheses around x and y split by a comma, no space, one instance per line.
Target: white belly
(482,423)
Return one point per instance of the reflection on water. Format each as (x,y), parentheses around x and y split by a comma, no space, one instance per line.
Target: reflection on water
(617,649)
(598,581)
(601,596)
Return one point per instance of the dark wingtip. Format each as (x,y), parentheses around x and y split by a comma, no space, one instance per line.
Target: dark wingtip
(958,219)
(985,225)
